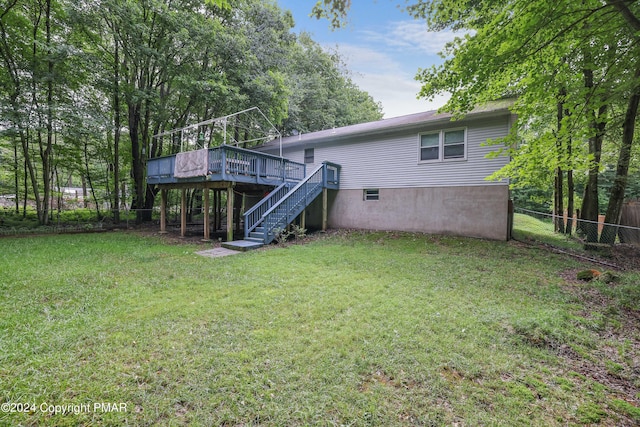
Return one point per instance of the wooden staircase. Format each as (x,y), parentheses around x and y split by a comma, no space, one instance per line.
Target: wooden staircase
(282,206)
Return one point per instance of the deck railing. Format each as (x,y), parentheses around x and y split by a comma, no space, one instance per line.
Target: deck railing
(227,163)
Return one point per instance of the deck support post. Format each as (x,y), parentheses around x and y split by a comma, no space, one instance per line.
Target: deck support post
(183,213)
(219,213)
(163,211)
(236,217)
(207,236)
(303,219)
(216,209)
(230,197)
(324,209)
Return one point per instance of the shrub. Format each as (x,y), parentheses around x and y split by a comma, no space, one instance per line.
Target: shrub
(298,232)
(281,235)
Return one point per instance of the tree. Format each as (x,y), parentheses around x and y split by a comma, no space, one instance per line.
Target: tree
(588,49)
(34,80)
(86,85)
(535,48)
(333,10)
(160,44)
(322,95)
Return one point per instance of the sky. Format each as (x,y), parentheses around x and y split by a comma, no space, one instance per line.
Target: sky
(382,46)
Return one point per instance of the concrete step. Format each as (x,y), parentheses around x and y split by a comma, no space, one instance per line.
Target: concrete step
(243,245)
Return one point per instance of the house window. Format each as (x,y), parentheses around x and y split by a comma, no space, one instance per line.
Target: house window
(454,144)
(308,155)
(371,194)
(430,146)
(443,145)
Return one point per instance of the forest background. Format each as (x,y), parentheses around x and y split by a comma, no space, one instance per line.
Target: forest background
(85,85)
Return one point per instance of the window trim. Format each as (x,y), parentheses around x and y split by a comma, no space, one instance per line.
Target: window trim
(441,134)
(371,194)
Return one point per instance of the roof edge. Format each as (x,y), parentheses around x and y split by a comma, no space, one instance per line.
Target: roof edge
(493,108)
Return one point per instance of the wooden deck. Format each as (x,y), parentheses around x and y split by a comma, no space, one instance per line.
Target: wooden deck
(222,169)
(227,164)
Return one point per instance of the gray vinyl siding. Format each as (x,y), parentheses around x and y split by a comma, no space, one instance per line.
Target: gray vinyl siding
(393,161)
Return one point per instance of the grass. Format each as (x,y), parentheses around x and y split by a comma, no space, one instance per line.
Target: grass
(526,227)
(351,329)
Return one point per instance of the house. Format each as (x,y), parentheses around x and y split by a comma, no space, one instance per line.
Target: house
(422,172)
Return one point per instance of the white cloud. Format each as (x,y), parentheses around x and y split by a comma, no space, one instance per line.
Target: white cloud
(384,63)
(410,35)
(363,58)
(387,80)
(397,94)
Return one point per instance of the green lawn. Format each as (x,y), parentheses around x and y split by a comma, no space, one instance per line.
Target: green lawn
(526,227)
(348,329)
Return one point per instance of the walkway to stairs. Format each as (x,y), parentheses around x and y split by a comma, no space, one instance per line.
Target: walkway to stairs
(282,206)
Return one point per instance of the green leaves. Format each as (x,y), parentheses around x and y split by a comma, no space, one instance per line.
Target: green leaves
(333,10)
(534,50)
(113,73)
(222,4)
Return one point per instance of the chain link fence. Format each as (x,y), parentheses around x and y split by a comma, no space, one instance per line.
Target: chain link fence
(578,237)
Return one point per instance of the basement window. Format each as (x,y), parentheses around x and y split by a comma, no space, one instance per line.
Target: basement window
(371,194)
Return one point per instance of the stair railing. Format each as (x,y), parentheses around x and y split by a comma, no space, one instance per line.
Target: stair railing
(253,216)
(290,204)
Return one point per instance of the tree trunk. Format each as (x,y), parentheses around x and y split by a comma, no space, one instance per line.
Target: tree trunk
(48,149)
(559,179)
(590,203)
(137,167)
(570,187)
(559,201)
(616,197)
(149,190)
(59,198)
(31,173)
(15,175)
(93,193)
(116,134)
(85,199)
(36,107)
(570,202)
(25,174)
